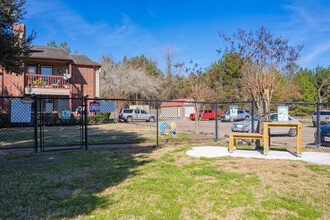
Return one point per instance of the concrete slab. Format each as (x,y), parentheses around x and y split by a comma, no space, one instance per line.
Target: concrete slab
(211,151)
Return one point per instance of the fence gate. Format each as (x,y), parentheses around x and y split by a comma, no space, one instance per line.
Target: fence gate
(59,128)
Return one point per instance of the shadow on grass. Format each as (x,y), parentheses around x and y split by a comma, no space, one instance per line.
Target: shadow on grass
(64,184)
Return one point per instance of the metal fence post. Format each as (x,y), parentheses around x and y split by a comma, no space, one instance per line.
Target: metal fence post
(252,113)
(86,124)
(216,122)
(157,121)
(35,123)
(318,135)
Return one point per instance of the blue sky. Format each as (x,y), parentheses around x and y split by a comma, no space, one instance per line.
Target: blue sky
(132,28)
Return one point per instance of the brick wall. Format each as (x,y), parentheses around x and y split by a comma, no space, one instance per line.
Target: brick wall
(10,85)
(82,83)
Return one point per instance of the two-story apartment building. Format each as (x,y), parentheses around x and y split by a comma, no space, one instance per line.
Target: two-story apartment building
(53,73)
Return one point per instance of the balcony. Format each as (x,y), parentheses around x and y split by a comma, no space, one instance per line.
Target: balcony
(46,85)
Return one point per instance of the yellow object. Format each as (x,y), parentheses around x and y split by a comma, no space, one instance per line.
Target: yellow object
(265,136)
(234,136)
(297,126)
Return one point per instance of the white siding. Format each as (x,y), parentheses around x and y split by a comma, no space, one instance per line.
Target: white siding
(97,83)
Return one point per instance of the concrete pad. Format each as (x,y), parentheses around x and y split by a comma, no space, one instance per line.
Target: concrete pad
(211,151)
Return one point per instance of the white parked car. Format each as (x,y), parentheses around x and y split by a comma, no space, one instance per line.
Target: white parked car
(129,115)
(245,126)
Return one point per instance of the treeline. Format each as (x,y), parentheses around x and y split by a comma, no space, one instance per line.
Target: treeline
(250,63)
(140,77)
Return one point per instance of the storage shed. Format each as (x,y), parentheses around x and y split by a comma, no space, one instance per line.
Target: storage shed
(180,108)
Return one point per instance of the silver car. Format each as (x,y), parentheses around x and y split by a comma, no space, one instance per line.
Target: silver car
(129,115)
(324,117)
(241,115)
(245,126)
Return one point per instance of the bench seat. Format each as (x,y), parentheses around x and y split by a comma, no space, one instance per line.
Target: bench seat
(234,136)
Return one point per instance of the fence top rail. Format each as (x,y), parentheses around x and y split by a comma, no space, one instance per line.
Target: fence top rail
(156,100)
(80,98)
(298,103)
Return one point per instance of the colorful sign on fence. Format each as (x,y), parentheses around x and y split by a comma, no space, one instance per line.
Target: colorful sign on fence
(167,129)
(94,107)
(66,113)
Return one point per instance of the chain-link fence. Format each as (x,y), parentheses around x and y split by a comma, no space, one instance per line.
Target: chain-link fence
(60,122)
(17,124)
(40,123)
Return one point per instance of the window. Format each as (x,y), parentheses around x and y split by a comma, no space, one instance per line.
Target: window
(32,70)
(128,111)
(46,70)
(143,112)
(137,111)
(240,112)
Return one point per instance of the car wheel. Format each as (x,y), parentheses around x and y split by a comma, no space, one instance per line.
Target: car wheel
(292,132)
(151,119)
(129,119)
(247,117)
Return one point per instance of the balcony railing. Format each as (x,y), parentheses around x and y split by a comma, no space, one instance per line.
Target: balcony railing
(45,81)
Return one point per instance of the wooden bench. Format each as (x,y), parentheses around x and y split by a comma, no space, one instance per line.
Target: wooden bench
(234,136)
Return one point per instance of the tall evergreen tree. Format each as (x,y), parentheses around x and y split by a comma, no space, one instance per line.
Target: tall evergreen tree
(14,47)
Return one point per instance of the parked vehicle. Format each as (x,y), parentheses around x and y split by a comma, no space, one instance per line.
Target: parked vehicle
(129,115)
(324,117)
(205,114)
(241,115)
(245,126)
(325,135)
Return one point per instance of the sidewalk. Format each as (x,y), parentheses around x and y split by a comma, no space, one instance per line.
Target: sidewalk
(209,151)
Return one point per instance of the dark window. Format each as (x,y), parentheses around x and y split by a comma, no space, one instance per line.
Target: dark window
(240,112)
(143,112)
(137,111)
(324,113)
(208,111)
(128,111)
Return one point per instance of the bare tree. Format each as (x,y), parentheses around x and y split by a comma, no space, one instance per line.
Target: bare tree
(121,81)
(198,88)
(265,58)
(326,85)
(172,72)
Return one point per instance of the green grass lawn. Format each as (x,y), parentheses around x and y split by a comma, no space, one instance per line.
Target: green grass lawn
(159,183)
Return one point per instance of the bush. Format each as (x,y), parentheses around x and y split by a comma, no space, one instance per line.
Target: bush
(5,120)
(99,118)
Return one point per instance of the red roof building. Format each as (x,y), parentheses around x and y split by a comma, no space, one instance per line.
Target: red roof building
(179,108)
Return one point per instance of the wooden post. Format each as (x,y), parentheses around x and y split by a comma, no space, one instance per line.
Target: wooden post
(266,138)
(299,140)
(231,143)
